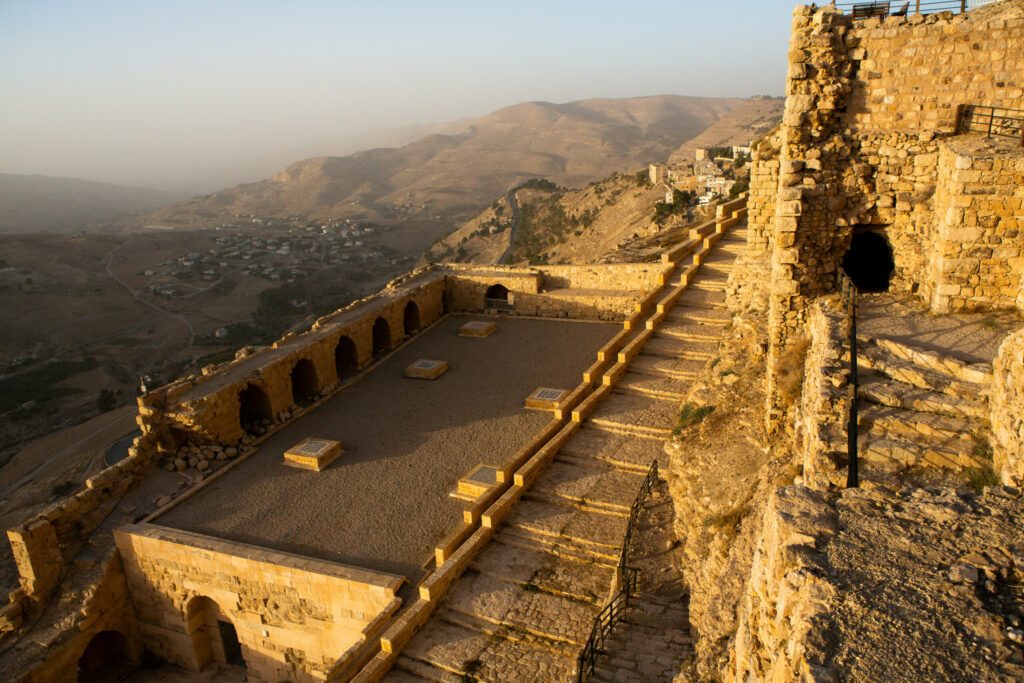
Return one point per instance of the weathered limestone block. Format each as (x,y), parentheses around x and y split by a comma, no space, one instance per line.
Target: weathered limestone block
(784,616)
(1007,405)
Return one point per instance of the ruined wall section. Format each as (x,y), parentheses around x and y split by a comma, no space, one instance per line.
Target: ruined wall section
(913,71)
(820,423)
(977,247)
(1007,404)
(748,282)
(784,617)
(293,615)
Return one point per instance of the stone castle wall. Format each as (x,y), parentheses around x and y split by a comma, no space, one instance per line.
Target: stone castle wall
(976,250)
(869,106)
(1007,405)
(293,615)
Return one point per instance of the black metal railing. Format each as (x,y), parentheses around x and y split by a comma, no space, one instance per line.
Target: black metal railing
(992,121)
(624,588)
(498,304)
(897,8)
(848,291)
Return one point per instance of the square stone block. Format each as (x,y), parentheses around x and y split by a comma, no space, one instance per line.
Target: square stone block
(477,482)
(312,454)
(426,369)
(478,328)
(546,398)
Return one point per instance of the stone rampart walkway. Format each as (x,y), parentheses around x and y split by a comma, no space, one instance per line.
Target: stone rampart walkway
(525,607)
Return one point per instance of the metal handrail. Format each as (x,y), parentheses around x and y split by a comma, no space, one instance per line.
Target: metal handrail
(992,121)
(625,587)
(848,292)
(886,8)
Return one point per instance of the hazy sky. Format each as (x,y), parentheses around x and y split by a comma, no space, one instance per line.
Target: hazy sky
(173,93)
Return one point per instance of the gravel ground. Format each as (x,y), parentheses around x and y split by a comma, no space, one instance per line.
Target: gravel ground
(384,503)
(973,337)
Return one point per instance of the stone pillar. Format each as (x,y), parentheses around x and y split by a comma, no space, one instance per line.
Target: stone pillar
(1007,406)
(38,557)
(808,234)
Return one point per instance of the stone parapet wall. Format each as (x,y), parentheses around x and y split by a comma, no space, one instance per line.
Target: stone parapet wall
(913,71)
(294,615)
(1007,416)
(106,607)
(820,418)
(977,247)
(784,615)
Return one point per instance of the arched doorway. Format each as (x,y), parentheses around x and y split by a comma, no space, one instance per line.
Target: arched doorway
(305,384)
(106,658)
(213,634)
(381,336)
(346,358)
(411,319)
(869,260)
(498,297)
(253,408)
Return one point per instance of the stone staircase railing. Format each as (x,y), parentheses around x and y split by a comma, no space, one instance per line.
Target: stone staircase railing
(623,588)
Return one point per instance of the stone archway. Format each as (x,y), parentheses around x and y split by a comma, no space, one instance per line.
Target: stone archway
(411,319)
(381,337)
(213,634)
(346,358)
(106,658)
(498,297)
(305,383)
(869,261)
(254,408)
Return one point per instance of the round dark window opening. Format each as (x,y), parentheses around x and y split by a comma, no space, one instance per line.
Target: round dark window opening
(869,261)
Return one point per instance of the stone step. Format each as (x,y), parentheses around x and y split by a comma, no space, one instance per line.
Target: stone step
(568,577)
(672,347)
(732,246)
(635,414)
(716,269)
(944,364)
(442,648)
(911,424)
(677,368)
(516,655)
(701,298)
(660,386)
(595,485)
(706,316)
(897,454)
(594,443)
(689,330)
(601,531)
(564,550)
(708,281)
(889,392)
(876,358)
(410,670)
(503,632)
(501,603)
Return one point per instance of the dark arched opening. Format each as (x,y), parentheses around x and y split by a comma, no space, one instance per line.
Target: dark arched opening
(497,296)
(411,319)
(305,384)
(869,261)
(213,634)
(381,336)
(346,358)
(106,658)
(254,411)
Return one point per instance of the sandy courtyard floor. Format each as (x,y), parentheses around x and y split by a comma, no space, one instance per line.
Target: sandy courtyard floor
(384,503)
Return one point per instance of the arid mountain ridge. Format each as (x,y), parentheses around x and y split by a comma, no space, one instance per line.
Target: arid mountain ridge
(453,176)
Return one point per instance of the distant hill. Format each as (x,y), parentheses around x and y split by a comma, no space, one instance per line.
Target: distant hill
(456,175)
(35,203)
(749,121)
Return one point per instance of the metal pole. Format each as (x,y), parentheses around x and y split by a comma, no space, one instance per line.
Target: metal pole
(917,10)
(852,473)
(963,6)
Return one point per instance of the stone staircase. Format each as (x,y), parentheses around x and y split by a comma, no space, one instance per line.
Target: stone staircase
(525,606)
(918,409)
